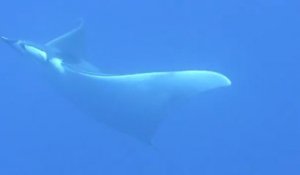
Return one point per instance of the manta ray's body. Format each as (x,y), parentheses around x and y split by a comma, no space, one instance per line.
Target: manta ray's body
(131,103)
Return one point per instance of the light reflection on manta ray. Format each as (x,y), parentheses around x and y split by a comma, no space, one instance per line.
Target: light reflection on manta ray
(131,103)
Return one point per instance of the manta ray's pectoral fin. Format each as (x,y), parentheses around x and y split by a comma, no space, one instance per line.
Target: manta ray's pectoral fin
(70,46)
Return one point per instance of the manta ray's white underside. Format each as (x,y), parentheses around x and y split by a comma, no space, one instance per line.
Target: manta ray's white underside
(133,104)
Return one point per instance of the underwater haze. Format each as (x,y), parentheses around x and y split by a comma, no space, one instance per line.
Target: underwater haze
(251,127)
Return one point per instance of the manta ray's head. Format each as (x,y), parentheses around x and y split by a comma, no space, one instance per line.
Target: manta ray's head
(39,53)
(27,48)
(65,49)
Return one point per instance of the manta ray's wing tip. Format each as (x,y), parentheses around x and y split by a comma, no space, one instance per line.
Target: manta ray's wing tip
(223,78)
(227,80)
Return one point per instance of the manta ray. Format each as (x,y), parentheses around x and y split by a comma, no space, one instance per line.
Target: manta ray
(130,103)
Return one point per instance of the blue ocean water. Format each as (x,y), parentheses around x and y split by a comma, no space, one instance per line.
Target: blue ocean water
(251,127)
